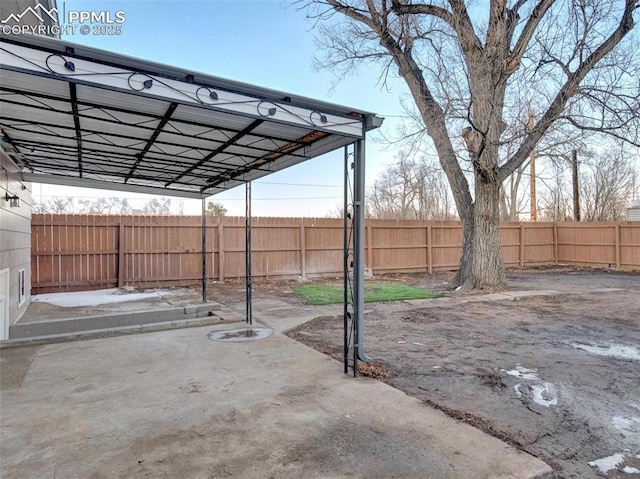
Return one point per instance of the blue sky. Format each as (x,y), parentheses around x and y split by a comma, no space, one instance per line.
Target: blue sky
(261,42)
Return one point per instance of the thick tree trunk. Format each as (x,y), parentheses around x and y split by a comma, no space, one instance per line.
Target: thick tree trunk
(487,265)
(464,269)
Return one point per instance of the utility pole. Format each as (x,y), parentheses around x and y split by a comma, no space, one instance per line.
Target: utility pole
(532,166)
(576,190)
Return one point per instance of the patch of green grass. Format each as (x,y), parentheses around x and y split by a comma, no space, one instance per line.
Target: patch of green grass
(373,292)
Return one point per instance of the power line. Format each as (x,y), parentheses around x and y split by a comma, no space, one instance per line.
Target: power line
(210,198)
(296,184)
(221,200)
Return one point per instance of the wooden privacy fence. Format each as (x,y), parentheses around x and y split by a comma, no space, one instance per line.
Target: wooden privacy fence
(76,252)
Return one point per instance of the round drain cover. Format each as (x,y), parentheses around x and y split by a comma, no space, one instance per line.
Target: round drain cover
(240,334)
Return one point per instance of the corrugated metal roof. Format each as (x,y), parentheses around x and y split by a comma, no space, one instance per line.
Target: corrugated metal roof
(81,116)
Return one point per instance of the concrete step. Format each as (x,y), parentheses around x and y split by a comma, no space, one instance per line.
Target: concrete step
(104,322)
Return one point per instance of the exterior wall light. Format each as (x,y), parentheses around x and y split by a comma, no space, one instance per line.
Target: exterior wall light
(14,200)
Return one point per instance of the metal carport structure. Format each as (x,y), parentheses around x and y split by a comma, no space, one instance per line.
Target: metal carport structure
(79,116)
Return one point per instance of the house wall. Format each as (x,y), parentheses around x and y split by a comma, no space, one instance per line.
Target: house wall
(633,213)
(15,234)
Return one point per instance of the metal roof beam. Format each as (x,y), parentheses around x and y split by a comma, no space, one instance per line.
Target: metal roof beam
(16,155)
(284,150)
(154,136)
(220,149)
(73,96)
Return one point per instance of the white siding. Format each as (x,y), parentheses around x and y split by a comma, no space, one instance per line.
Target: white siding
(633,214)
(15,234)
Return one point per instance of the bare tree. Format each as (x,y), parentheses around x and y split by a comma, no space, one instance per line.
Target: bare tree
(161,206)
(513,197)
(336,212)
(410,189)
(393,195)
(608,175)
(608,187)
(465,65)
(109,206)
(216,209)
(57,205)
(180,207)
(556,200)
(553,159)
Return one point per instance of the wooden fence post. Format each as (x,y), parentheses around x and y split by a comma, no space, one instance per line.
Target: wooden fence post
(555,244)
(429,250)
(121,253)
(370,248)
(303,251)
(220,250)
(522,245)
(617,239)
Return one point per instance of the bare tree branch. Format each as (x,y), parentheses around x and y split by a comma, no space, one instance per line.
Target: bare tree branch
(515,57)
(569,89)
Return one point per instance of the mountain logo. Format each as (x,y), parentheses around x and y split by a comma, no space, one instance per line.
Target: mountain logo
(38,12)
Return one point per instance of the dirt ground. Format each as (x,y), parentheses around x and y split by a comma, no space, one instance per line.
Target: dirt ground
(557,375)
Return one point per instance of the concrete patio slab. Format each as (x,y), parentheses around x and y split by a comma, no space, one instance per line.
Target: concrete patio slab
(175,404)
(430,302)
(48,327)
(489,297)
(95,314)
(510,295)
(283,316)
(525,294)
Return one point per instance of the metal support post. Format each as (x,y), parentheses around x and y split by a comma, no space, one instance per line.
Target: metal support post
(358,249)
(532,180)
(204,251)
(247,230)
(576,188)
(345,263)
